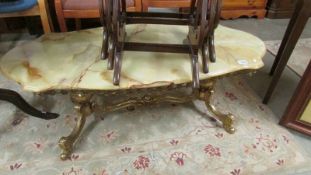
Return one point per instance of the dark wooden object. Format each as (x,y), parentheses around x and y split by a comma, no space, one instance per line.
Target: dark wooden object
(202,20)
(236,8)
(80,11)
(280,8)
(297,105)
(231,9)
(14,98)
(295,28)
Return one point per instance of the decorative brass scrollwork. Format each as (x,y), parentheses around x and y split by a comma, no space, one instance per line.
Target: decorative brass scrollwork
(84,108)
(205,94)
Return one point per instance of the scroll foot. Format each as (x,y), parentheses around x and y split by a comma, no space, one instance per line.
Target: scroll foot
(84,108)
(227,120)
(66,144)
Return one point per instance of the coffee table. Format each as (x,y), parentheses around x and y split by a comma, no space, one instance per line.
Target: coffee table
(70,63)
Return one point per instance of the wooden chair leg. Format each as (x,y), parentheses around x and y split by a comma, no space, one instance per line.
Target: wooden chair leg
(60,16)
(117,68)
(211,48)
(78,23)
(290,27)
(296,26)
(45,16)
(205,55)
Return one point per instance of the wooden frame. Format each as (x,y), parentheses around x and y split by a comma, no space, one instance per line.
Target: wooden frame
(165,3)
(202,20)
(237,8)
(298,104)
(41,10)
(63,14)
(230,9)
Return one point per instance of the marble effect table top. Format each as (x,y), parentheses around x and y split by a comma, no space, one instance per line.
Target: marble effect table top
(66,61)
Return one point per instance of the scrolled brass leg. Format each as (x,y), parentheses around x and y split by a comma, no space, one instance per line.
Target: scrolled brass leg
(205,93)
(84,108)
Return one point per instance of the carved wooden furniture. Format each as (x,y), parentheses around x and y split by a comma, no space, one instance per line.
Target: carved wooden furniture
(280,8)
(231,9)
(78,9)
(237,8)
(295,28)
(298,113)
(202,21)
(21,8)
(146,4)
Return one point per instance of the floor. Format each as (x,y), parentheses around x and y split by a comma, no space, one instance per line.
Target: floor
(268,29)
(265,29)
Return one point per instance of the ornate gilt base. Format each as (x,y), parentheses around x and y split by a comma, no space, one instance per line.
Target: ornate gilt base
(205,93)
(85,107)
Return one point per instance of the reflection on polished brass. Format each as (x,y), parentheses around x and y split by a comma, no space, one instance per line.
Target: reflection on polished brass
(205,94)
(84,108)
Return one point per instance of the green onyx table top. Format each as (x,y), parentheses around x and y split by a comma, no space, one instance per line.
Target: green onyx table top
(71,61)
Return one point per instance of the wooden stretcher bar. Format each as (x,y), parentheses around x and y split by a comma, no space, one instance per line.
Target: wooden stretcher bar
(202,20)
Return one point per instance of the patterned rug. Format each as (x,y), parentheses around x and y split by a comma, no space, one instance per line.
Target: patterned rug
(162,139)
(300,58)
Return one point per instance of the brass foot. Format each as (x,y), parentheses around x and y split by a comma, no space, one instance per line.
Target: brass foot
(84,108)
(227,120)
(66,144)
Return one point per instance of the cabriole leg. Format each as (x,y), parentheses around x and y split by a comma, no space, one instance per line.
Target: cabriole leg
(205,93)
(84,108)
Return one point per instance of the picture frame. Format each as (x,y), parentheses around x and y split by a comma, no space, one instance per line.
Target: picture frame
(297,115)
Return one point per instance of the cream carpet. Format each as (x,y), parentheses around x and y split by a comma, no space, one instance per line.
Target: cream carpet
(300,58)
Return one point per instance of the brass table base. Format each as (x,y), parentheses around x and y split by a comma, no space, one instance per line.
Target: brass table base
(85,107)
